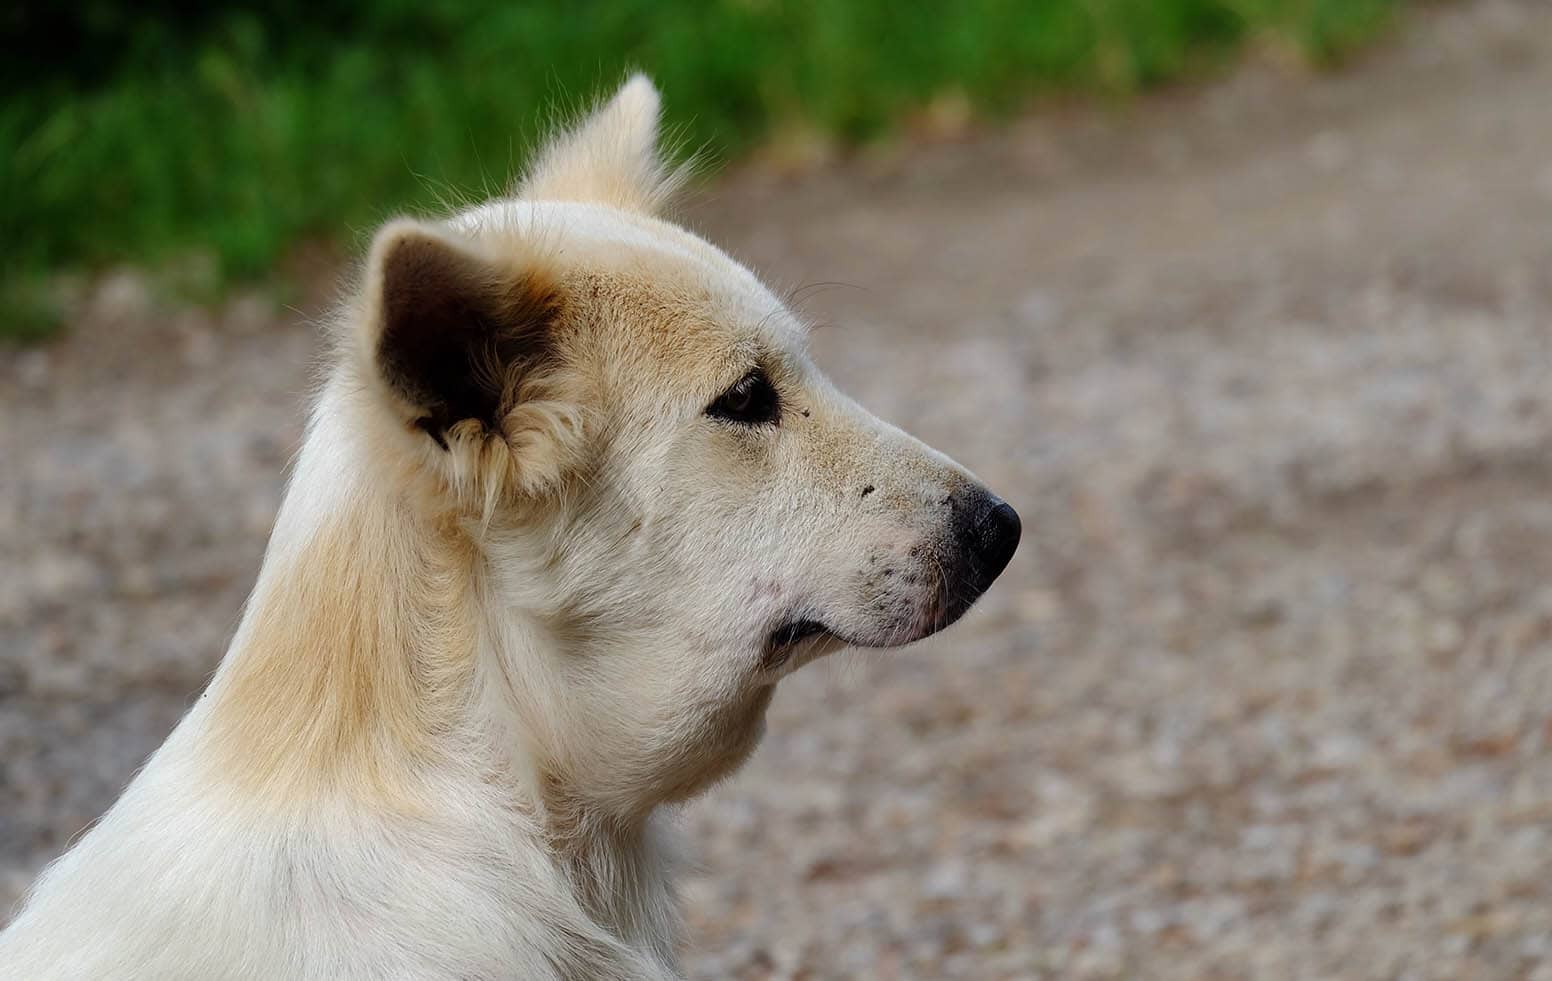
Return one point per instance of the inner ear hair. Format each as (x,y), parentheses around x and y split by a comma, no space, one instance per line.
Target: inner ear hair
(456,331)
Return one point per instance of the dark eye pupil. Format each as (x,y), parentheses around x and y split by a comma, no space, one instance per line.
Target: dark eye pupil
(753,401)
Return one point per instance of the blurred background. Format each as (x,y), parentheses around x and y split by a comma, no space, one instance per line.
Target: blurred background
(1244,304)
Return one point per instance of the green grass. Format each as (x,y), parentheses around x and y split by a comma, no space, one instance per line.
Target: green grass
(238,138)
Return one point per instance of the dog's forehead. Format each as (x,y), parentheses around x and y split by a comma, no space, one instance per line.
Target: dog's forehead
(598,240)
(670,296)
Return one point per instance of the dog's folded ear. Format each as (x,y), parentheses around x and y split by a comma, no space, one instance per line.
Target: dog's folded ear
(453,333)
(611,157)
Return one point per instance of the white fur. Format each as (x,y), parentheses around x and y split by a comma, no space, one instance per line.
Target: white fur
(445,753)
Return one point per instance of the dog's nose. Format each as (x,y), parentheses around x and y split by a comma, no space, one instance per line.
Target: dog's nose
(988,530)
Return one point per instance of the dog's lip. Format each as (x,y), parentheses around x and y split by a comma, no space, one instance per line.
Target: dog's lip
(794,631)
(796,642)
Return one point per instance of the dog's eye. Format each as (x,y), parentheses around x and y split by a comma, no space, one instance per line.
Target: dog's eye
(752,402)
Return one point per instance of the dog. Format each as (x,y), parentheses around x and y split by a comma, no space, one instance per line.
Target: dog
(573,499)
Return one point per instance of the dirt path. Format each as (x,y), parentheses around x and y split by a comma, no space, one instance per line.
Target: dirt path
(1267,691)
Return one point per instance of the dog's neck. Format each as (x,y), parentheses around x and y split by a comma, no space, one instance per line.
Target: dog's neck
(368,672)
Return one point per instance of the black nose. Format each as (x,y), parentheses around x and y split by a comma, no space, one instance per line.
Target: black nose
(988,530)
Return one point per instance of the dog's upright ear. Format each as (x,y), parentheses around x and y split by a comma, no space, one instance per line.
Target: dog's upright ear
(611,157)
(453,333)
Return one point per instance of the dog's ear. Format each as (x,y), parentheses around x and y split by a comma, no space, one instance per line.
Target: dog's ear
(452,332)
(611,157)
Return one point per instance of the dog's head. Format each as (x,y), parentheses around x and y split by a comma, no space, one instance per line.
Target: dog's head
(673,507)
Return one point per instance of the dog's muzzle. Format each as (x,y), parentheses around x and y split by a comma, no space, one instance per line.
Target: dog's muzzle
(982,535)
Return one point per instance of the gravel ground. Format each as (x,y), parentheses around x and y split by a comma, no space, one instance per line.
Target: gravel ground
(1267,692)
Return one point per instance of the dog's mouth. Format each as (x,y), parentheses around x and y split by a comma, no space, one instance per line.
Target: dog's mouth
(793,635)
(790,633)
(797,641)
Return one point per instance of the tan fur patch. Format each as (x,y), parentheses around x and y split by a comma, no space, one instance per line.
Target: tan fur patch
(352,665)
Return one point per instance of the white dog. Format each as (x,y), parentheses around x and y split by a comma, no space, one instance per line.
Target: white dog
(572,500)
